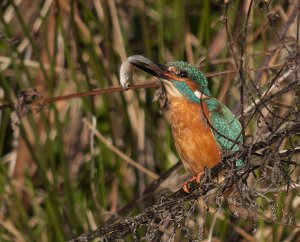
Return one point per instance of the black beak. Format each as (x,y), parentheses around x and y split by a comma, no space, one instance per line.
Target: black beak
(148,66)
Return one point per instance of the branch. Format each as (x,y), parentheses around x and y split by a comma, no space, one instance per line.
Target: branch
(153,213)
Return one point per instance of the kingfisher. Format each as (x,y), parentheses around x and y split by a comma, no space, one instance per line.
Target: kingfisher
(203,128)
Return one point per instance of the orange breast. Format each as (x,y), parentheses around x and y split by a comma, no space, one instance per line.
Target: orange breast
(193,138)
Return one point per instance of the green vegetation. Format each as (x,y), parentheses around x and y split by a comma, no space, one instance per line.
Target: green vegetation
(58,179)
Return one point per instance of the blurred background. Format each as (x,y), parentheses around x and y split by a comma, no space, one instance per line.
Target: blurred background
(60,173)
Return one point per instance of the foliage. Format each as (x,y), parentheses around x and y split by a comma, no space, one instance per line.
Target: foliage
(105,166)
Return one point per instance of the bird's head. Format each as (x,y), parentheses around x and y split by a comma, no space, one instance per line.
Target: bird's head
(179,78)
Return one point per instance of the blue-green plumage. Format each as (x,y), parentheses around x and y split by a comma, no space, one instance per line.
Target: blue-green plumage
(185,90)
(225,127)
(193,74)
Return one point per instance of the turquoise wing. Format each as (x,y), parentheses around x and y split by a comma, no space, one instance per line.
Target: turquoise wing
(225,127)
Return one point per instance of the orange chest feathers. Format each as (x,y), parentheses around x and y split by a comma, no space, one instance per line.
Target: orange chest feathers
(193,138)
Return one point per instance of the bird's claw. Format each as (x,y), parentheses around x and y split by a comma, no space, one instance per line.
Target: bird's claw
(197,178)
(185,187)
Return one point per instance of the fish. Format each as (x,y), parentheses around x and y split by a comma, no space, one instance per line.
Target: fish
(127,68)
(126,73)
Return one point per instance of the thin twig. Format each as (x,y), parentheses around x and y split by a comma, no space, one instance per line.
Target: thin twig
(81,94)
(278,189)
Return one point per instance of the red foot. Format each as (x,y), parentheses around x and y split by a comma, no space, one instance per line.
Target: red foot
(197,178)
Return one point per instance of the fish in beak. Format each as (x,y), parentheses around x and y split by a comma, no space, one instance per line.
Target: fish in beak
(143,63)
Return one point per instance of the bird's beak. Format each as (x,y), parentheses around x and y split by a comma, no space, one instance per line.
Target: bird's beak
(143,63)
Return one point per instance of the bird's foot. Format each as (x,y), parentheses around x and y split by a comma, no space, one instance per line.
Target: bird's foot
(185,186)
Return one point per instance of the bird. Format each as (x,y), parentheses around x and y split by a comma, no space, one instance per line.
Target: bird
(202,127)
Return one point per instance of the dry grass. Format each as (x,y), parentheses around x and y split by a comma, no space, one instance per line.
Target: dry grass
(57,180)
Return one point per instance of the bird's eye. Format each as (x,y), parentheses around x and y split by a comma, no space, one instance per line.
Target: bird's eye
(183,74)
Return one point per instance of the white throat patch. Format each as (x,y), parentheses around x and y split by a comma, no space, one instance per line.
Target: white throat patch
(200,95)
(197,94)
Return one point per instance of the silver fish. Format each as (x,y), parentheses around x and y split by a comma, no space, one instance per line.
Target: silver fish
(126,73)
(126,70)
